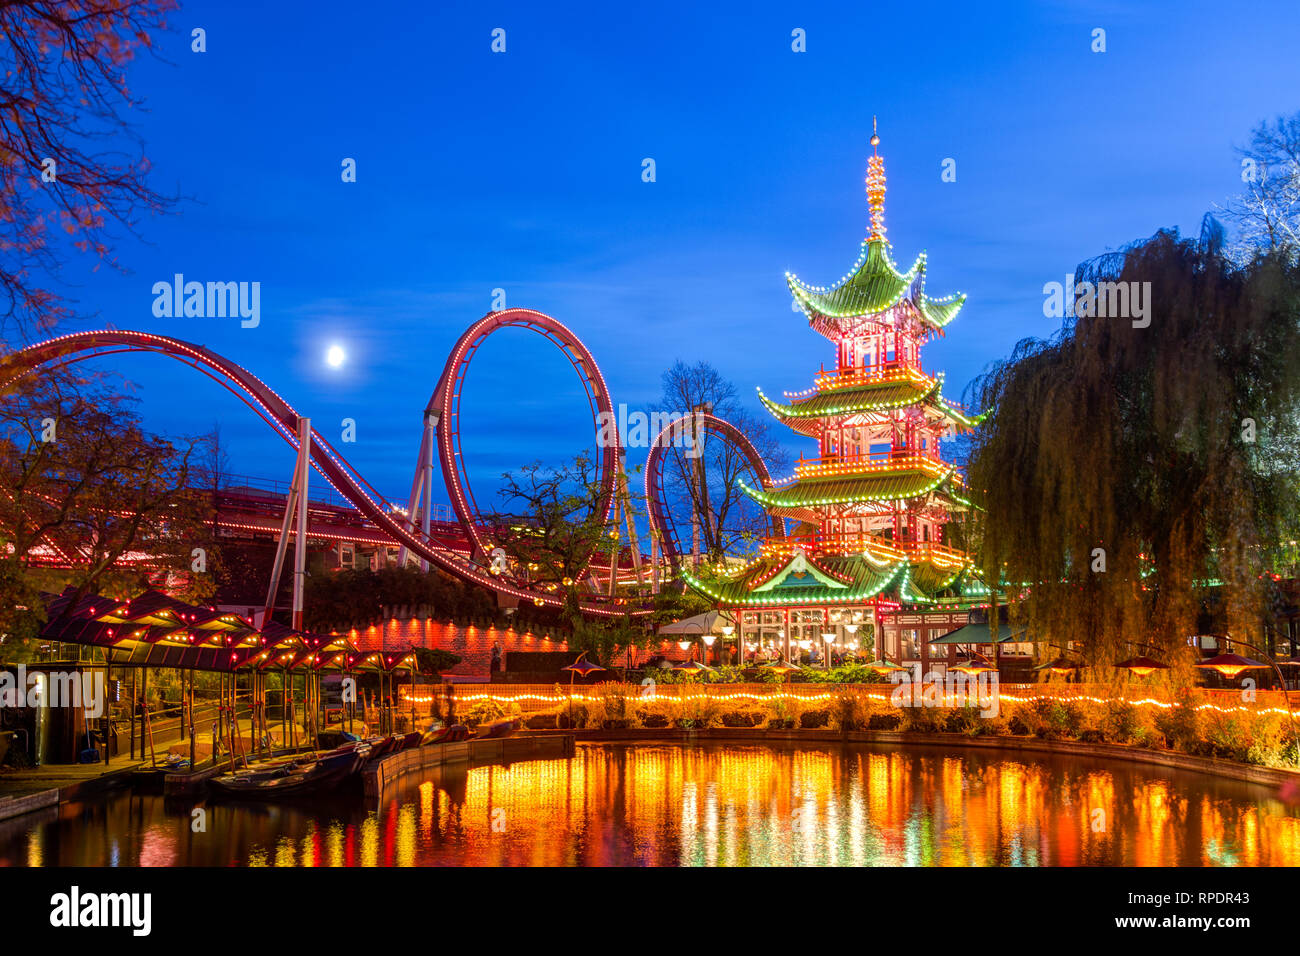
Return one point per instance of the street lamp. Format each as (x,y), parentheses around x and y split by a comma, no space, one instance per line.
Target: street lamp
(885,667)
(727,631)
(1142,666)
(1061,665)
(829,638)
(977,664)
(1230,665)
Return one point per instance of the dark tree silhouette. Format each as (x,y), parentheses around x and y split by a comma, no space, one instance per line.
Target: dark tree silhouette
(71,167)
(1168,451)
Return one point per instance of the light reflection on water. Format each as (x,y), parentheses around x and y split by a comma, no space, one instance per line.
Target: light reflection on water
(710,805)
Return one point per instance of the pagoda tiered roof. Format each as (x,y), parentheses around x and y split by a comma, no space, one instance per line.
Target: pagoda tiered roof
(864,395)
(874,285)
(838,579)
(879,499)
(842,484)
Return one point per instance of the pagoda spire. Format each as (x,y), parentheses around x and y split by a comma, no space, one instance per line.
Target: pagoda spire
(876,187)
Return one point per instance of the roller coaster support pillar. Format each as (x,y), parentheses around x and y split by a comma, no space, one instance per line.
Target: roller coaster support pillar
(291,503)
(628,516)
(430,441)
(300,545)
(654,561)
(421,500)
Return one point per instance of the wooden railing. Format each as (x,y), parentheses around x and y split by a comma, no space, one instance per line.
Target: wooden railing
(892,460)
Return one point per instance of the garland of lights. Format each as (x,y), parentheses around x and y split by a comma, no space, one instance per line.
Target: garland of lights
(701,692)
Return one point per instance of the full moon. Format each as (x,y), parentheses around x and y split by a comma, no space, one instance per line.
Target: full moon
(334,356)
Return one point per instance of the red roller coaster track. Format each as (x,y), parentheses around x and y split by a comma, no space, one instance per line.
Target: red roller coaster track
(660,524)
(281,416)
(444,408)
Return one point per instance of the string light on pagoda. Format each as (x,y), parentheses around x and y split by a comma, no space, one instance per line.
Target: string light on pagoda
(876,187)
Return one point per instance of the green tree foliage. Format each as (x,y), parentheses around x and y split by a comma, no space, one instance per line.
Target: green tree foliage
(672,605)
(606,641)
(552,521)
(1171,448)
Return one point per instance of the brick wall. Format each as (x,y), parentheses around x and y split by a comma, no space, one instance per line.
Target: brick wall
(472,644)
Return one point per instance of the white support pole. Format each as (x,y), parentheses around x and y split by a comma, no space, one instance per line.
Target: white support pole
(417,495)
(300,545)
(282,544)
(430,439)
(629,517)
(617,546)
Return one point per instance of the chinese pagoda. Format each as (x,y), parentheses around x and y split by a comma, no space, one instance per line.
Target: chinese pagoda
(871,565)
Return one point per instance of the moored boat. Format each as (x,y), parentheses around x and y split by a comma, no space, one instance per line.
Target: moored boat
(291,779)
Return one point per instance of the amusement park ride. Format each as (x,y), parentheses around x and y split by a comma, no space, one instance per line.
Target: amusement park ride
(465,551)
(872,511)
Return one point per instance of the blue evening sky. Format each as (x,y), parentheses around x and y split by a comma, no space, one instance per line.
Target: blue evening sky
(522,171)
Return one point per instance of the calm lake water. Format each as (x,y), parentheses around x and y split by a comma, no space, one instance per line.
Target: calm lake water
(664,804)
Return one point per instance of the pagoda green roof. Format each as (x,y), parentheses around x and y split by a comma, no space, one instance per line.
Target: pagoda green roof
(799,497)
(874,285)
(910,583)
(863,582)
(870,396)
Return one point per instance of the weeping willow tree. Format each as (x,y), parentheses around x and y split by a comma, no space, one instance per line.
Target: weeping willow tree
(1138,476)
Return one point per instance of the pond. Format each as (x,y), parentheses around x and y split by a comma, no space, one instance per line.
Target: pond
(710,804)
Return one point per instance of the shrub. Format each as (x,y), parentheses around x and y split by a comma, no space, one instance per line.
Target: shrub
(923,720)
(1181,725)
(1119,723)
(734,718)
(884,721)
(813,719)
(1051,719)
(848,712)
(652,719)
(577,717)
(485,711)
(694,713)
(963,720)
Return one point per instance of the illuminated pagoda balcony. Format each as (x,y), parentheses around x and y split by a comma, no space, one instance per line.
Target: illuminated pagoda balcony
(861,488)
(895,460)
(868,544)
(852,376)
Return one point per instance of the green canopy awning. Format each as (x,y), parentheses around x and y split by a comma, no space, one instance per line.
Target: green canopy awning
(980,634)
